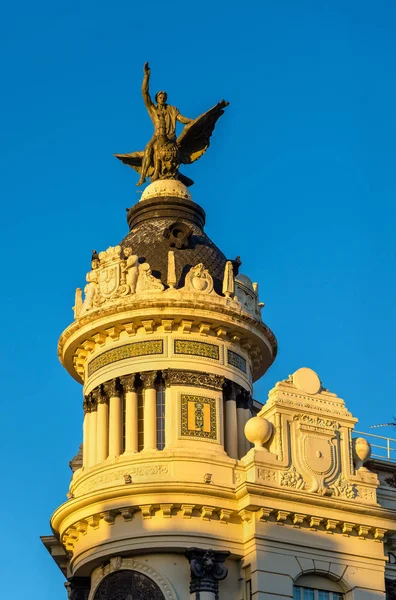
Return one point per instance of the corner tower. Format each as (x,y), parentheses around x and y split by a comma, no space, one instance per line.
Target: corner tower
(166,343)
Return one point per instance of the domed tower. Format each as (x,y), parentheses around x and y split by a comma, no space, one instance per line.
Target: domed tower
(166,344)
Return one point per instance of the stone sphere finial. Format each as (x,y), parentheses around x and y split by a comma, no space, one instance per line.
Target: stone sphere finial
(258,431)
(361,452)
(166,188)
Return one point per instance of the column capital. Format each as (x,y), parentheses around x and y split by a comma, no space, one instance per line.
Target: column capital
(78,588)
(194,378)
(128,383)
(98,396)
(207,569)
(87,404)
(111,389)
(93,400)
(148,379)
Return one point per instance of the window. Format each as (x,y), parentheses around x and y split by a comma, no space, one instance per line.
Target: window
(128,584)
(304,593)
(160,416)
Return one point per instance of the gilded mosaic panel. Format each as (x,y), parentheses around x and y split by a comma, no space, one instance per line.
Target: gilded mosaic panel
(198,418)
(236,360)
(194,348)
(134,350)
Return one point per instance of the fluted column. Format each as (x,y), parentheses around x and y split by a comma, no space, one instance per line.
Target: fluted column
(115,417)
(86,428)
(150,410)
(131,413)
(102,426)
(231,427)
(92,432)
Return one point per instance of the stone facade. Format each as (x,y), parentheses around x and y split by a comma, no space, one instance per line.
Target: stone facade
(182,491)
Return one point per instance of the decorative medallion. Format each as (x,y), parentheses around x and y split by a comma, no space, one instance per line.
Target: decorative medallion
(127,351)
(193,348)
(236,360)
(199,418)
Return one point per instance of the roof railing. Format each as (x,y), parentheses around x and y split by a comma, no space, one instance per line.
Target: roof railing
(385,450)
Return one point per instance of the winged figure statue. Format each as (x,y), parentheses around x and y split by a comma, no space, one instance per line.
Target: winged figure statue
(165,152)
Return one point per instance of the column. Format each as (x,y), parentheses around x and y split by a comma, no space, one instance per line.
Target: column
(86,424)
(115,417)
(207,569)
(248,415)
(92,432)
(150,410)
(243,415)
(102,426)
(231,427)
(131,413)
(78,587)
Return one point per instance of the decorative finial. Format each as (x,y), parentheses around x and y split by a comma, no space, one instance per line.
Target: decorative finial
(165,153)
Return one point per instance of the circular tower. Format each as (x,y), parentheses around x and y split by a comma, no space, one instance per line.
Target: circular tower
(167,341)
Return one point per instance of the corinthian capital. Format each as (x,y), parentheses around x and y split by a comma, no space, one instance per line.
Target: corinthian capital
(148,379)
(128,383)
(110,389)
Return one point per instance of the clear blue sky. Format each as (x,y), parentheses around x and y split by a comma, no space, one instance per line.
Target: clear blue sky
(299,181)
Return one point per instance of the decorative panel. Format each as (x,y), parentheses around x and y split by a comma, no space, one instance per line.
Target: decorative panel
(123,585)
(236,360)
(199,418)
(133,350)
(194,348)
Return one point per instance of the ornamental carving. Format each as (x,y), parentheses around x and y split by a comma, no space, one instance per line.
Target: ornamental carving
(193,348)
(267,476)
(198,279)
(199,418)
(367,494)
(115,273)
(292,479)
(236,360)
(122,565)
(193,378)
(128,383)
(111,389)
(133,350)
(207,569)
(119,475)
(149,379)
(341,487)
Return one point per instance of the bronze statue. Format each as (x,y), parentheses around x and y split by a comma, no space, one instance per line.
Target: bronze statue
(164,153)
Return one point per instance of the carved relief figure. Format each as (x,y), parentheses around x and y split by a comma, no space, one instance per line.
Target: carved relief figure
(132,271)
(146,281)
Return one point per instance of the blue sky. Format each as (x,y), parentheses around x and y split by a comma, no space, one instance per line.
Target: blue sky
(299,181)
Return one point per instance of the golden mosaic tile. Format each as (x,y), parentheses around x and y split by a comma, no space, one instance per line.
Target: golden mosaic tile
(197,349)
(134,350)
(236,360)
(198,417)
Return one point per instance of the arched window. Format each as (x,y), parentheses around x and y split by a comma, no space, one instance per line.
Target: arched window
(315,587)
(128,585)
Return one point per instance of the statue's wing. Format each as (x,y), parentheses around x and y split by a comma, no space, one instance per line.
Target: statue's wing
(194,140)
(134,160)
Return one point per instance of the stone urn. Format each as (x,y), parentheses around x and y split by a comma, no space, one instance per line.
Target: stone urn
(361,452)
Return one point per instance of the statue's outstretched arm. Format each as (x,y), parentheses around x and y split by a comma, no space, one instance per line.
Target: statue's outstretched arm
(183,120)
(145,86)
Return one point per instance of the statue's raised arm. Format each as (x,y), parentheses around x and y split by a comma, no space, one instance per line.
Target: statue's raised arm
(165,152)
(145,86)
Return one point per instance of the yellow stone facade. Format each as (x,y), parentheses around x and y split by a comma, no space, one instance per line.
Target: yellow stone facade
(177,455)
